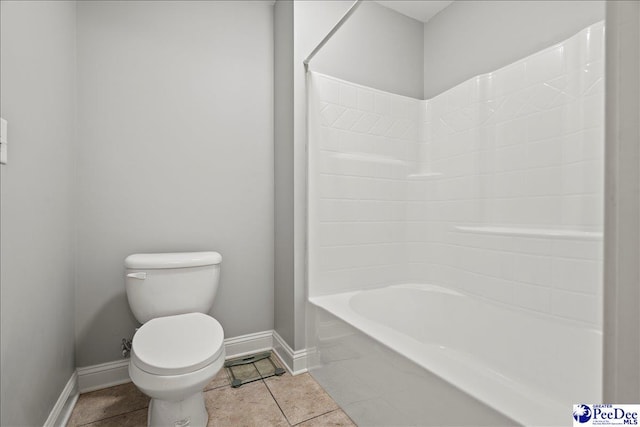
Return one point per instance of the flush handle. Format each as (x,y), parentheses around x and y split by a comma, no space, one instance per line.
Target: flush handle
(140,275)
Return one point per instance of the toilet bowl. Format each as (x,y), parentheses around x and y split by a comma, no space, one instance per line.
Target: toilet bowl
(179,348)
(172,359)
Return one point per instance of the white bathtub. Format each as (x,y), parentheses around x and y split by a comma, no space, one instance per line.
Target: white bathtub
(527,366)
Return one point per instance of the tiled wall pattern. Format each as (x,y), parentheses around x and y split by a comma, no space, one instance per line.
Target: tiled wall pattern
(363,142)
(512,210)
(494,187)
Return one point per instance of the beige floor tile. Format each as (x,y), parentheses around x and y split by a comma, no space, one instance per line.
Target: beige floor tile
(220,380)
(249,405)
(131,419)
(112,401)
(300,397)
(335,418)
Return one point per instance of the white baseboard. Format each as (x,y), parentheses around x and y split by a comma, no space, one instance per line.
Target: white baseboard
(61,412)
(96,377)
(109,374)
(295,361)
(248,344)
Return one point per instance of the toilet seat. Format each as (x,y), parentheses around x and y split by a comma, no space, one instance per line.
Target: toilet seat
(175,345)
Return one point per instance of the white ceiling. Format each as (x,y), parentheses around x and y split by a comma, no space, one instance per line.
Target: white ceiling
(420,10)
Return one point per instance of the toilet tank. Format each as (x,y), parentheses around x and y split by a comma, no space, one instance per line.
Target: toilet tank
(166,284)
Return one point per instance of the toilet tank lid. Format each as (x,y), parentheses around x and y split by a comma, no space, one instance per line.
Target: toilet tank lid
(172,260)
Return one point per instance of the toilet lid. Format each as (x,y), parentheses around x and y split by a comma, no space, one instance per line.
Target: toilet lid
(178,344)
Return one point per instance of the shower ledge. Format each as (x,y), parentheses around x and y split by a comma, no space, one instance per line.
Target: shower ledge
(364,157)
(424,175)
(533,232)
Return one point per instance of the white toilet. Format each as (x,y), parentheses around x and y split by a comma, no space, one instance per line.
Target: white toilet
(179,348)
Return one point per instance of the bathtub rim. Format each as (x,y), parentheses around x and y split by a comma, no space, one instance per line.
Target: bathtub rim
(498,392)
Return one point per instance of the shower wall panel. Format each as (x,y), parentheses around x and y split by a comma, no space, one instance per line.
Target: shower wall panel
(507,203)
(363,143)
(494,187)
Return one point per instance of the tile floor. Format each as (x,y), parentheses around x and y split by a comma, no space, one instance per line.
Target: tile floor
(276,401)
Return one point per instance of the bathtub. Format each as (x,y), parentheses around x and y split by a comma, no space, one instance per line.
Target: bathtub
(398,349)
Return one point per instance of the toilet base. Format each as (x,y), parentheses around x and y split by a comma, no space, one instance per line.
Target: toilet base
(190,412)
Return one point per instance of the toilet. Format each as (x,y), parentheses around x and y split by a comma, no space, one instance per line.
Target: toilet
(179,348)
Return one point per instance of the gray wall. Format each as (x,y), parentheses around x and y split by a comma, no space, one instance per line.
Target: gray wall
(377,47)
(37,69)
(175,154)
(283,172)
(621,374)
(491,34)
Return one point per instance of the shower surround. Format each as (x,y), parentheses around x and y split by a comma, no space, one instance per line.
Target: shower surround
(476,217)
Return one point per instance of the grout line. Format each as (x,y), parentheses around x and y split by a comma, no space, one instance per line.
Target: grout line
(216,388)
(111,417)
(262,379)
(318,416)
(276,400)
